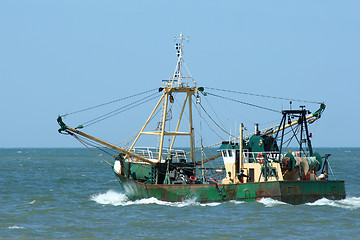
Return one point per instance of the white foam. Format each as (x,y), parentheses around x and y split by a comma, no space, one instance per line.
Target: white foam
(269,202)
(214,204)
(119,199)
(348,203)
(322,202)
(110,197)
(236,202)
(15,227)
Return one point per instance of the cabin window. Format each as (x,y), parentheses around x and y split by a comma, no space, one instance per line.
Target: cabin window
(230,153)
(224,153)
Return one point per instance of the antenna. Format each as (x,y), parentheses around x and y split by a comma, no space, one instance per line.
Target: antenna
(179,52)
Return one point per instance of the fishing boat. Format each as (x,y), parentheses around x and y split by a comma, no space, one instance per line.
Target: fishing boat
(256,165)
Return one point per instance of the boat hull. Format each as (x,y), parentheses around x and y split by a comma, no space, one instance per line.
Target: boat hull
(292,192)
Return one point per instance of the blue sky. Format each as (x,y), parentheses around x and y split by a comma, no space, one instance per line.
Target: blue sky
(62,56)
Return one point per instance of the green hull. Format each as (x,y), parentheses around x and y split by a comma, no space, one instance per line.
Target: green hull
(292,192)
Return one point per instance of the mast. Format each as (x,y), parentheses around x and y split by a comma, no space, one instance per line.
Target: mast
(179,52)
(302,122)
(192,144)
(162,124)
(241,136)
(178,83)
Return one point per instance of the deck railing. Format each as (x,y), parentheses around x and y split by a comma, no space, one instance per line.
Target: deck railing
(152,153)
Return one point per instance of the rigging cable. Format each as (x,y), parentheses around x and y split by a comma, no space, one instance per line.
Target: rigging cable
(81,141)
(136,133)
(202,147)
(207,122)
(288,141)
(120,110)
(101,147)
(249,104)
(103,104)
(118,144)
(214,112)
(295,135)
(187,117)
(265,96)
(214,121)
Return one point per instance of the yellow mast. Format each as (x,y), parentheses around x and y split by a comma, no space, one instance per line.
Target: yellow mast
(178,83)
(192,145)
(175,84)
(162,124)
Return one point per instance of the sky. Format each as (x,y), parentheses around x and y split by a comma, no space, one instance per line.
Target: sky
(62,56)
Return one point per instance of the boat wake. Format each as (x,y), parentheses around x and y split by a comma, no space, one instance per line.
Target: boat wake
(119,199)
(269,202)
(347,203)
(110,197)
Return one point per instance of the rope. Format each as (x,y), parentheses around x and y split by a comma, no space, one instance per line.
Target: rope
(186,115)
(99,146)
(214,112)
(207,122)
(214,121)
(265,96)
(249,104)
(288,141)
(76,137)
(119,110)
(100,105)
(118,144)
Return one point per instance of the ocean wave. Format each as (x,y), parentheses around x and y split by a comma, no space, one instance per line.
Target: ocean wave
(269,202)
(347,203)
(119,199)
(110,197)
(236,202)
(15,227)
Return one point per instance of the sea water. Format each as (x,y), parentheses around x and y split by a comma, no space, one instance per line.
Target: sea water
(73,194)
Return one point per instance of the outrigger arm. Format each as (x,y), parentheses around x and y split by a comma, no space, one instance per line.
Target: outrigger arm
(316,114)
(71,131)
